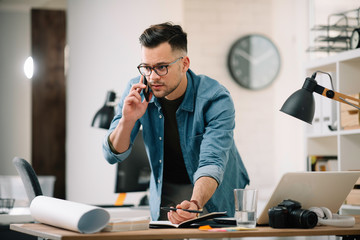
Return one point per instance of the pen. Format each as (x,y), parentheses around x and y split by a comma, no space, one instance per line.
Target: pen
(174,209)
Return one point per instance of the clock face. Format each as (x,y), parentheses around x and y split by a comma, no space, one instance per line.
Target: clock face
(254,61)
(355,40)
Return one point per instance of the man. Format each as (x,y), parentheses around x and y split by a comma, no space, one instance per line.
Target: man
(187,127)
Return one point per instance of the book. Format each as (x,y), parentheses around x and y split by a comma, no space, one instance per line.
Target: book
(127,224)
(323,162)
(127,219)
(192,223)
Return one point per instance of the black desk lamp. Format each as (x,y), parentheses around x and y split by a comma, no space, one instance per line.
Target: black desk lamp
(301,104)
(104,116)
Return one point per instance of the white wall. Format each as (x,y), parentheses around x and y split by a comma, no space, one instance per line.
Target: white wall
(15,94)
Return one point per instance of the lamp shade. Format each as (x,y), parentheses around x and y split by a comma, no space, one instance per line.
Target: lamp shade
(104,116)
(300,104)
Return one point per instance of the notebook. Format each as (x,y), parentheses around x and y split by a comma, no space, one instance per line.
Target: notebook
(312,189)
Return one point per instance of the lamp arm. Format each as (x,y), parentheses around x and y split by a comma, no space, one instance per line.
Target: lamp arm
(338,97)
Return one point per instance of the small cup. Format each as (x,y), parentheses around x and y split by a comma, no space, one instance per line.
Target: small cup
(245,207)
(6,204)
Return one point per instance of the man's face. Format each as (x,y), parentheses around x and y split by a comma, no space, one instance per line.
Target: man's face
(172,84)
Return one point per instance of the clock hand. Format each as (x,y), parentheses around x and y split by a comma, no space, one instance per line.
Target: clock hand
(263,57)
(245,55)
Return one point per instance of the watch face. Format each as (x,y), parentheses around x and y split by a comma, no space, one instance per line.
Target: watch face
(254,61)
(355,41)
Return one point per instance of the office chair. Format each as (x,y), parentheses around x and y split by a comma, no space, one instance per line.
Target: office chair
(28,177)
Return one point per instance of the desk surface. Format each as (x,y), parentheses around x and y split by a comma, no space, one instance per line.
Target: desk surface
(49,232)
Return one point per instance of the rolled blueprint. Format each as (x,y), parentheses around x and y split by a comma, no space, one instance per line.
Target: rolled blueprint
(74,216)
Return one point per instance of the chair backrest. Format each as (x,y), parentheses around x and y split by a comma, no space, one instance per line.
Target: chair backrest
(28,177)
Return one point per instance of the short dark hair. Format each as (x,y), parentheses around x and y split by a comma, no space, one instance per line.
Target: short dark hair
(164,32)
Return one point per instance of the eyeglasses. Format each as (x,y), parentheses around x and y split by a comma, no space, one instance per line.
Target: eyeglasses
(160,70)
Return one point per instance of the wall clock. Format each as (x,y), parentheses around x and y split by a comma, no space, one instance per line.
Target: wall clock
(254,61)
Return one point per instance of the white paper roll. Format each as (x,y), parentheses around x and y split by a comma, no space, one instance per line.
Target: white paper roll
(74,216)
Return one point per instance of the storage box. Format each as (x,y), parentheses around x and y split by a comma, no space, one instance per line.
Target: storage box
(354,196)
(350,116)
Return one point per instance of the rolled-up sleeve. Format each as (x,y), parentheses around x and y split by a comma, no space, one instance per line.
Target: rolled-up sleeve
(210,171)
(109,155)
(218,136)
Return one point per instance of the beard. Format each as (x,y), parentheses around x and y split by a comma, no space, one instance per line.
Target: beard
(164,89)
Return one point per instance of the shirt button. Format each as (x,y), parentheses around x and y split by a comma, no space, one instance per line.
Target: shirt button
(160,138)
(160,161)
(160,116)
(159,181)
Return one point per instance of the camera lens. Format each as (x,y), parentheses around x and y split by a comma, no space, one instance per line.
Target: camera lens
(303,218)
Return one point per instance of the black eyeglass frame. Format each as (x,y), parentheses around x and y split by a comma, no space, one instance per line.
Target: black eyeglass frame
(154,68)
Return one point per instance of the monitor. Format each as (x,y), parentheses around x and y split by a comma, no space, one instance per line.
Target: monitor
(133,174)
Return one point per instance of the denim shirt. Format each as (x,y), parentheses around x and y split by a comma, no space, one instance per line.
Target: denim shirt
(206,120)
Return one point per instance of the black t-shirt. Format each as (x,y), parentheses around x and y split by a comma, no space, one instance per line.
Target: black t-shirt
(174,166)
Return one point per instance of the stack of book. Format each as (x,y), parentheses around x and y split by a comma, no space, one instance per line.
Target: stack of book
(127,224)
(323,163)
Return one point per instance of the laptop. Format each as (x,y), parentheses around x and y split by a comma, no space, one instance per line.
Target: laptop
(312,189)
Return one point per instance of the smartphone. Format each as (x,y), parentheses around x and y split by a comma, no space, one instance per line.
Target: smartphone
(146,91)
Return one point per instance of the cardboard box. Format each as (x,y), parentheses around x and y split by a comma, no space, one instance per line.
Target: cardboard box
(349,116)
(354,196)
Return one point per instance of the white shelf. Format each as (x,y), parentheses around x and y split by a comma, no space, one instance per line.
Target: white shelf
(334,133)
(349,132)
(320,141)
(345,70)
(332,60)
(322,135)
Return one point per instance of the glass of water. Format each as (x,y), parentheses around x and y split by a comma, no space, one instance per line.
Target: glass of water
(6,204)
(245,207)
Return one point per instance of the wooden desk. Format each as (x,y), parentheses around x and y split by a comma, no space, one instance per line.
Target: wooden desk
(49,232)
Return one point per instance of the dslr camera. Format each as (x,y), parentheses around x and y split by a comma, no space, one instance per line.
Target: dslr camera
(288,214)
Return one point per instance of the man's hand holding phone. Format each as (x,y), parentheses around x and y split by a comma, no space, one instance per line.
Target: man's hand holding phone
(134,107)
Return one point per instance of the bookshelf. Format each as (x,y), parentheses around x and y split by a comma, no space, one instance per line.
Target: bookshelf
(327,136)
